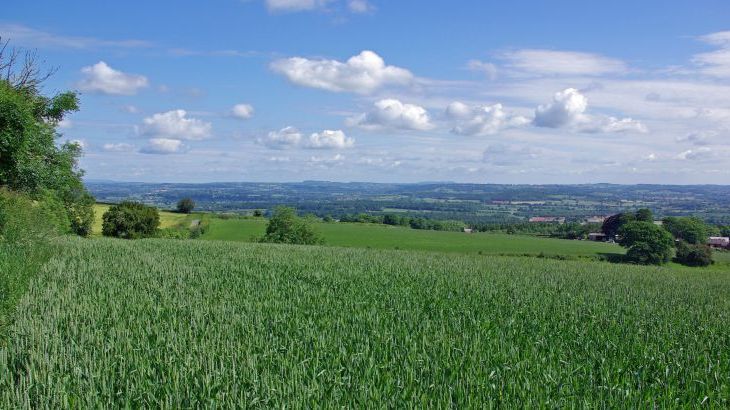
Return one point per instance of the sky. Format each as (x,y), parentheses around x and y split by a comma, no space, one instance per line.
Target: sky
(390,90)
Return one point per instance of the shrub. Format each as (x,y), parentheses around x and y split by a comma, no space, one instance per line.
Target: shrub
(647,243)
(131,220)
(689,229)
(694,254)
(23,220)
(286,227)
(185,206)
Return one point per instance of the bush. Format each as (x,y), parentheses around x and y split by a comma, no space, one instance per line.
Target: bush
(688,229)
(131,220)
(23,220)
(286,227)
(694,254)
(185,206)
(647,243)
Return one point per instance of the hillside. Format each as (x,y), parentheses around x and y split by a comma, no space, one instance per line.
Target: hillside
(152,323)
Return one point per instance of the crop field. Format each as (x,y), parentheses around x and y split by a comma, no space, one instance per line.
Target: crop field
(391,237)
(165,323)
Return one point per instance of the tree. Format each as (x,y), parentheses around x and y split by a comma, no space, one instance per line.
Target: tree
(258,213)
(694,255)
(689,229)
(30,160)
(613,223)
(644,215)
(647,243)
(131,220)
(185,206)
(390,219)
(286,227)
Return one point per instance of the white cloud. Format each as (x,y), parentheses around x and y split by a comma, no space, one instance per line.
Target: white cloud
(699,154)
(295,5)
(30,37)
(103,79)
(506,155)
(287,137)
(81,143)
(163,146)
(65,123)
(481,120)
(242,111)
(715,63)
(551,62)
(359,6)
(568,110)
(698,138)
(329,139)
(391,113)
(175,125)
(362,73)
(130,109)
(489,69)
(118,147)
(327,162)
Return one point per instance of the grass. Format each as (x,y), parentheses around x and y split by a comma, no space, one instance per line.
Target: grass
(162,323)
(19,265)
(167,219)
(390,237)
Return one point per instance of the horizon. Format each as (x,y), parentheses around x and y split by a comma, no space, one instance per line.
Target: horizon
(360,90)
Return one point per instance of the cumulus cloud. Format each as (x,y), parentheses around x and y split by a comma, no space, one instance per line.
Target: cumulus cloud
(362,73)
(117,147)
(568,110)
(481,120)
(391,113)
(715,63)
(242,111)
(552,62)
(698,138)
(489,69)
(327,162)
(329,139)
(286,137)
(65,123)
(163,146)
(101,78)
(175,125)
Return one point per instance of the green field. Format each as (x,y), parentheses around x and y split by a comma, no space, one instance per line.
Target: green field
(165,323)
(167,218)
(390,237)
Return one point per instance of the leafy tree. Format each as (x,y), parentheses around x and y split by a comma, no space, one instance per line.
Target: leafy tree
(258,213)
(613,223)
(644,215)
(694,254)
(131,220)
(185,205)
(390,219)
(725,231)
(689,229)
(30,160)
(647,243)
(286,227)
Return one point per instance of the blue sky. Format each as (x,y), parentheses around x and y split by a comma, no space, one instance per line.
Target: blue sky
(390,91)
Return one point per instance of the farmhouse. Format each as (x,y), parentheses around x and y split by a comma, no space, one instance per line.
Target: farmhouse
(719,241)
(596,219)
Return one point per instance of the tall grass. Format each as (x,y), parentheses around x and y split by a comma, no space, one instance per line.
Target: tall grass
(162,323)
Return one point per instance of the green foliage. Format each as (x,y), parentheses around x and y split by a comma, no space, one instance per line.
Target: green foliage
(694,254)
(23,220)
(647,243)
(258,213)
(689,229)
(644,215)
(258,326)
(32,162)
(19,264)
(185,205)
(286,227)
(131,220)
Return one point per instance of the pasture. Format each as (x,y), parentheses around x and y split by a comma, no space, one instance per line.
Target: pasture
(167,218)
(166,323)
(391,237)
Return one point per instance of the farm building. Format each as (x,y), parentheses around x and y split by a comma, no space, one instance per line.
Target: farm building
(596,219)
(719,241)
(597,236)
